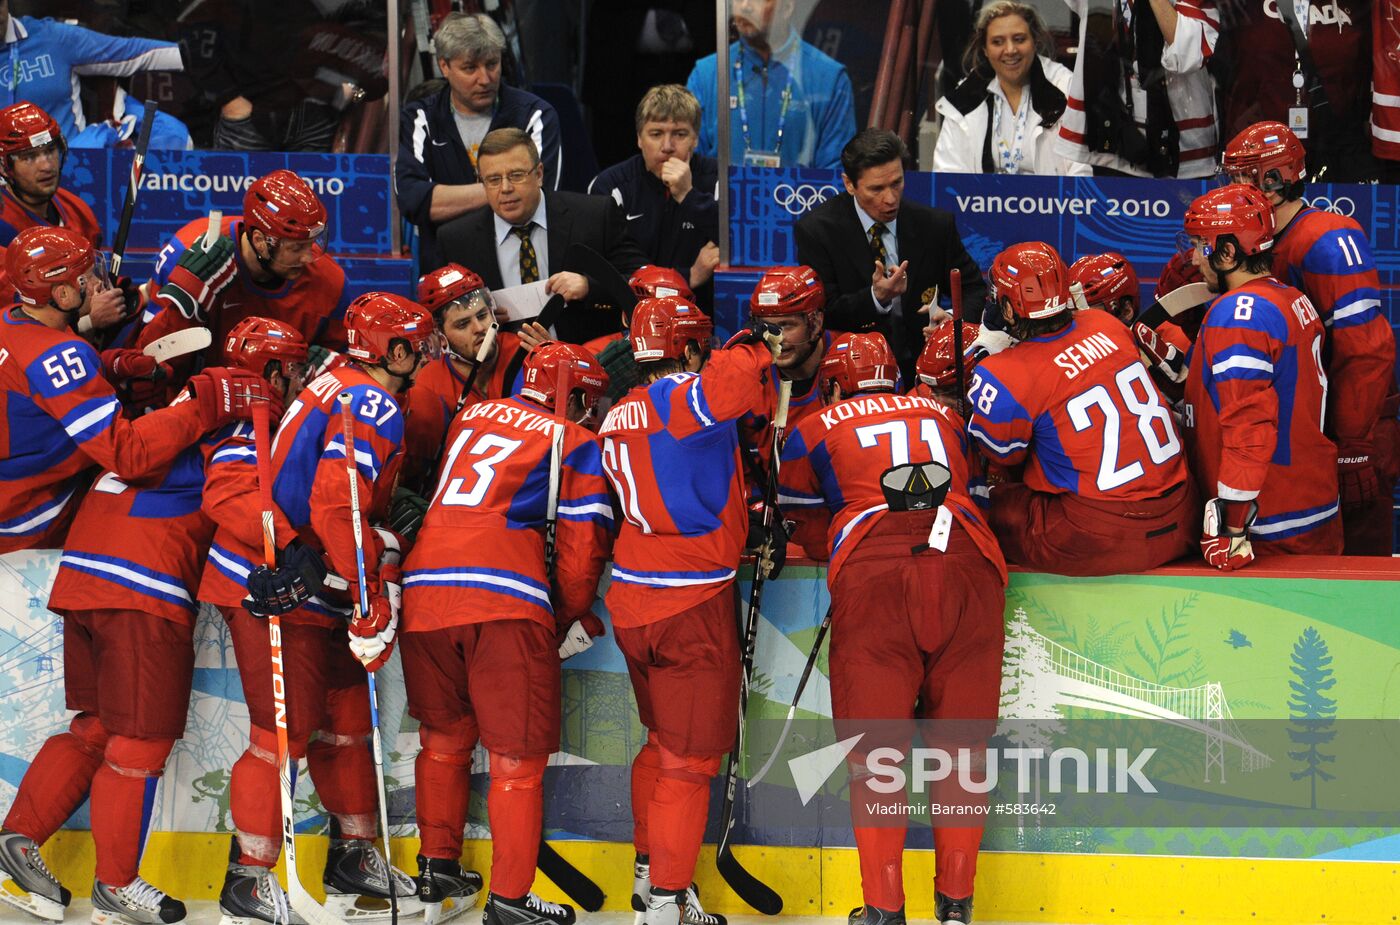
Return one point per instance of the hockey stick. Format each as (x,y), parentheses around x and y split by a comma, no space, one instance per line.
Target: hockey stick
(959,365)
(305,905)
(178,344)
(566,876)
(610,283)
(1174,303)
(744,884)
(801,686)
(548,317)
(138,162)
(352,470)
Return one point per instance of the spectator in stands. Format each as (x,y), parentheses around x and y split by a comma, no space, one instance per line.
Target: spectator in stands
(1004,116)
(883,260)
(1141,101)
(790,105)
(1269,84)
(436,178)
(43,57)
(525,235)
(669,193)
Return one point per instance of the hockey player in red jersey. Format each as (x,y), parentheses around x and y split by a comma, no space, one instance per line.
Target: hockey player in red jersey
(507,562)
(61,413)
(462,306)
(671,452)
(791,299)
(267,262)
(32,151)
(126,590)
(389,337)
(614,351)
(1256,394)
(1327,257)
(1110,284)
(916,595)
(936,368)
(1106,489)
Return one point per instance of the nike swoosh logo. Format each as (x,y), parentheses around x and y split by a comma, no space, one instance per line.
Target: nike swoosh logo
(632,218)
(439,144)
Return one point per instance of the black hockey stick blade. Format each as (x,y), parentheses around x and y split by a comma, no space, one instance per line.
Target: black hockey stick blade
(612,285)
(746,886)
(548,316)
(569,878)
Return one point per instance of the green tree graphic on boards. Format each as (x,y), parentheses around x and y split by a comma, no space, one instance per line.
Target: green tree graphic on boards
(1310,710)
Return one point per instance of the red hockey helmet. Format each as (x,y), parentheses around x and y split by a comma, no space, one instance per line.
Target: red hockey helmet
(1106,278)
(376,319)
(861,362)
(935,365)
(1033,278)
(445,285)
(662,327)
(24,127)
(653,282)
(44,256)
(553,370)
(254,342)
(283,206)
(1238,209)
(1267,155)
(787,291)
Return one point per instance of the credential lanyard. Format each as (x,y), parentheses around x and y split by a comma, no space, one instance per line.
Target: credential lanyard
(744,108)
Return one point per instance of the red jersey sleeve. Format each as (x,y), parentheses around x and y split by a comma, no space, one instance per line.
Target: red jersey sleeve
(376,438)
(725,390)
(585,527)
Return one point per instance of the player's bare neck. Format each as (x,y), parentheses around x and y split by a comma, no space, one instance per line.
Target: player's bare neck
(46,315)
(1286,212)
(39,205)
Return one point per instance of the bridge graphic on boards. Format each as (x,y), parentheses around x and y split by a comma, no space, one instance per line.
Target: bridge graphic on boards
(1081,682)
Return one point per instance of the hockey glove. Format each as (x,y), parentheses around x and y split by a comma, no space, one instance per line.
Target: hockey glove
(394,546)
(621,367)
(1225,535)
(759,332)
(1357,479)
(579,636)
(120,364)
(771,549)
(372,635)
(988,342)
(225,395)
(197,279)
(1159,356)
(299,574)
(406,512)
(133,295)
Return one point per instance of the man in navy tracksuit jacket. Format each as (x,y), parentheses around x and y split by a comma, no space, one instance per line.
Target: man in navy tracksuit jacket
(435,177)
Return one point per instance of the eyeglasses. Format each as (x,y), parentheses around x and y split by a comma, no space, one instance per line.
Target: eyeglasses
(516,177)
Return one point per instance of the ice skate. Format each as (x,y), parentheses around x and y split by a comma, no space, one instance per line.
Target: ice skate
(25,881)
(357,883)
(665,907)
(252,896)
(445,889)
(951,910)
(528,911)
(137,903)
(695,914)
(641,887)
(870,915)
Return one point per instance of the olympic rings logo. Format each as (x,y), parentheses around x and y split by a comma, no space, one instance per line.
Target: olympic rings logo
(1342,205)
(800,198)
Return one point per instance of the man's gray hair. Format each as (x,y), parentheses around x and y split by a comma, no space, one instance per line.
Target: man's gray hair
(470,36)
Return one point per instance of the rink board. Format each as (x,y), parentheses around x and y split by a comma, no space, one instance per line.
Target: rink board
(1238,632)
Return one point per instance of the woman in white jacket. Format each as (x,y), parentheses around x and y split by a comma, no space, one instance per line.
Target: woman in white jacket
(1004,116)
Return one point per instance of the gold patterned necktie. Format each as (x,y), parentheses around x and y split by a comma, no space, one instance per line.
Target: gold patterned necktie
(877,244)
(529,263)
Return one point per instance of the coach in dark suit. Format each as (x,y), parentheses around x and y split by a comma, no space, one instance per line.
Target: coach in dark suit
(526,233)
(880,258)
